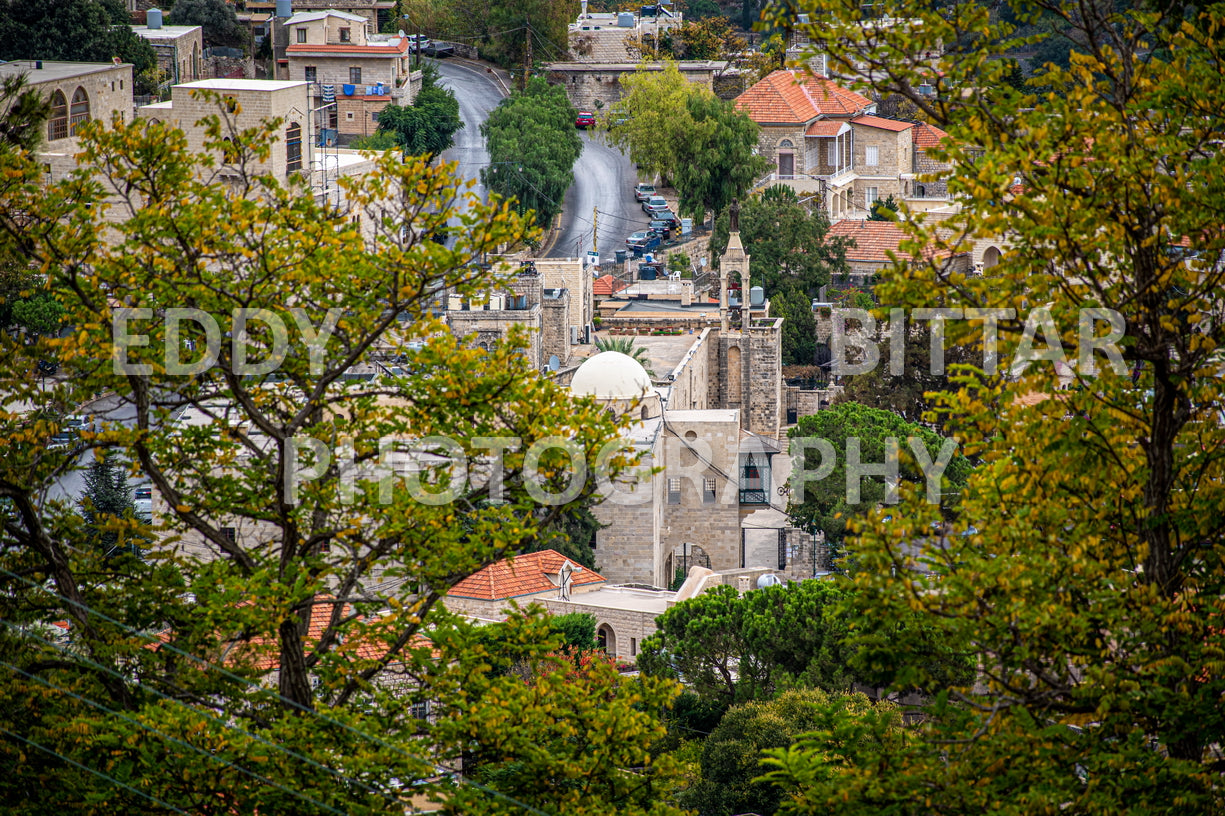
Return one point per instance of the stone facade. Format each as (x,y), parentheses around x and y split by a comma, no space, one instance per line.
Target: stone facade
(179,50)
(702,451)
(250,101)
(592,86)
(621,630)
(354,74)
(570,274)
(554,328)
(626,548)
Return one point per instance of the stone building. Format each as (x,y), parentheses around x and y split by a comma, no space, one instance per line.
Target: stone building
(179,49)
(353,73)
(825,139)
(77,92)
(605,47)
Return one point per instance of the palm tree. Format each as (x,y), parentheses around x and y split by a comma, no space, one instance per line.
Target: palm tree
(626,346)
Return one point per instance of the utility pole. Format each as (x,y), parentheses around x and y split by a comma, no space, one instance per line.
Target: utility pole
(595,230)
(527,67)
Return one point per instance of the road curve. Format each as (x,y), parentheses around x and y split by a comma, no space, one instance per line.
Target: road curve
(478,94)
(604,180)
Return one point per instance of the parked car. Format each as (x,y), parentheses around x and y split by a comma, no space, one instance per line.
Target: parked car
(643,191)
(661,228)
(670,217)
(416,41)
(142,497)
(585,119)
(642,241)
(438,49)
(654,204)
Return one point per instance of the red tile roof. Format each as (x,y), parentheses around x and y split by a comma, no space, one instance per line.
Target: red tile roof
(798,97)
(874,240)
(607,286)
(882,124)
(926,135)
(826,127)
(526,574)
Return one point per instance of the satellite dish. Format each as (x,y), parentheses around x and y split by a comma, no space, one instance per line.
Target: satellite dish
(554,363)
(402,34)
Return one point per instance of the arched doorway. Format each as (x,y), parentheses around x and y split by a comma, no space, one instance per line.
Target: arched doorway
(786,159)
(606,639)
(991,257)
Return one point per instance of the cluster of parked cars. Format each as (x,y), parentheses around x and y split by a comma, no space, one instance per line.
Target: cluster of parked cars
(664,223)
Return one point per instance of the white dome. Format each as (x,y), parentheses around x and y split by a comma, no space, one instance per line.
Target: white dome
(611,375)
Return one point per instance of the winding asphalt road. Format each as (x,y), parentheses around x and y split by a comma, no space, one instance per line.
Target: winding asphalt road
(603,178)
(478,94)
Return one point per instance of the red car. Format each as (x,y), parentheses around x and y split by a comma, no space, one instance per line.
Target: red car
(585,120)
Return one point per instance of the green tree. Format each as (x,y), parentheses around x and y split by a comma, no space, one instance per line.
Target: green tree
(799,328)
(884,209)
(907,394)
(827,504)
(532,149)
(536,28)
(1088,585)
(652,122)
(731,764)
(425,128)
(72,30)
(577,630)
(731,648)
(626,346)
(216,17)
(718,158)
(284,626)
(40,314)
(105,501)
(786,242)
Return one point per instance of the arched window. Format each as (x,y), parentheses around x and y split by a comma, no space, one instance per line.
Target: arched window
(293,148)
(79,114)
(57,125)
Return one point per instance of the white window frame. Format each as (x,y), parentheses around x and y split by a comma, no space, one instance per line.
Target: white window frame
(870,196)
(871,156)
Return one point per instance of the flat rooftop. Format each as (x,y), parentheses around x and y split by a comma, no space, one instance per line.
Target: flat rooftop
(666,351)
(166,32)
(225,84)
(55,71)
(706,415)
(616,597)
(663,307)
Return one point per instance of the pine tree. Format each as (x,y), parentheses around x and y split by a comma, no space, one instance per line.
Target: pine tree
(106,497)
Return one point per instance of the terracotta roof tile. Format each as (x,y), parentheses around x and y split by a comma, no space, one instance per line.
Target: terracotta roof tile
(826,127)
(607,286)
(798,97)
(874,240)
(925,135)
(526,574)
(881,123)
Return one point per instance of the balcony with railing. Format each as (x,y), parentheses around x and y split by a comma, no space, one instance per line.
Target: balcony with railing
(754,479)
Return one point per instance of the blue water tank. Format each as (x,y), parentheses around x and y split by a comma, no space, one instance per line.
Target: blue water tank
(153,18)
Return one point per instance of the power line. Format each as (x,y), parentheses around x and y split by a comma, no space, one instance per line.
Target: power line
(97,773)
(189,746)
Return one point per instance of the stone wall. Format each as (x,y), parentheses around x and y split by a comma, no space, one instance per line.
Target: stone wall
(764,379)
(569,274)
(700,448)
(228,67)
(628,626)
(690,379)
(626,551)
(555,327)
(592,86)
(925,165)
